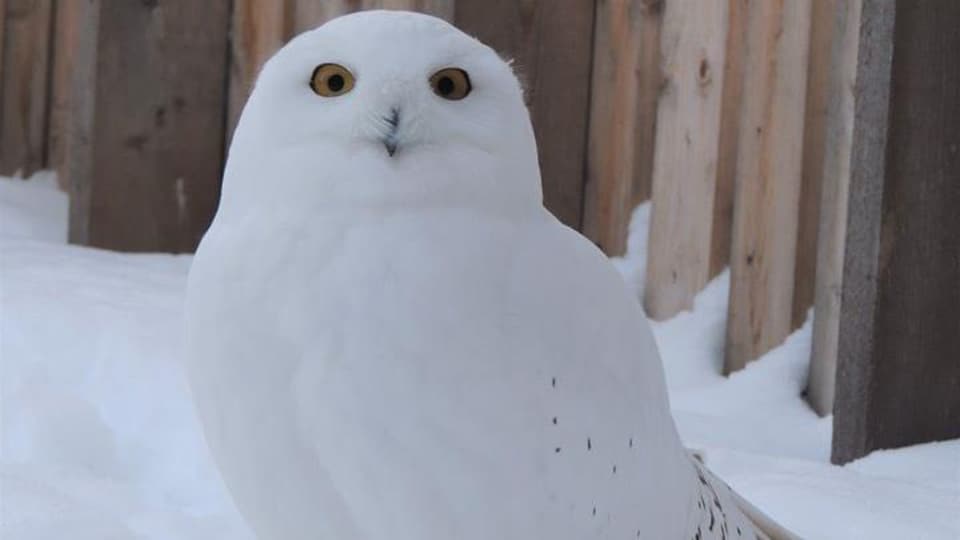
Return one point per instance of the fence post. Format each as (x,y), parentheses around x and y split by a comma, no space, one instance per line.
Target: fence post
(693,41)
(23,85)
(623,98)
(822,31)
(833,205)
(898,379)
(148,121)
(551,42)
(768,179)
(722,226)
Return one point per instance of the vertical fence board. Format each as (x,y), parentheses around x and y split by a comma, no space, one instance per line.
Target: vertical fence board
(620,142)
(693,39)
(768,179)
(899,380)
(729,129)
(649,78)
(833,205)
(306,15)
(822,25)
(23,109)
(438,8)
(551,42)
(3,25)
(154,121)
(64,43)
(258,29)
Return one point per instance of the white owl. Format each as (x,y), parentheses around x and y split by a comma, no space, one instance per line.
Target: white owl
(391,338)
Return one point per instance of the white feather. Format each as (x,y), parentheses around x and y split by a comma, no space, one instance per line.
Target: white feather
(411,347)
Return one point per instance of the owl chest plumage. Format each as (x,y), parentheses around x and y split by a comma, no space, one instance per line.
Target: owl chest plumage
(413,367)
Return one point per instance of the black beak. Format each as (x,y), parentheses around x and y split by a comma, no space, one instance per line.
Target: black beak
(390,138)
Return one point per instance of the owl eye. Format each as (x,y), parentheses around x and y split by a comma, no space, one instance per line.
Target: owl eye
(331,80)
(451,83)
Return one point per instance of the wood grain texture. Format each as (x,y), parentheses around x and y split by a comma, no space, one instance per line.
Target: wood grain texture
(25,76)
(622,119)
(899,378)
(649,79)
(722,227)
(3,26)
(823,18)
(551,43)
(308,14)
(693,41)
(151,99)
(858,299)
(258,29)
(768,179)
(833,205)
(64,43)
(438,8)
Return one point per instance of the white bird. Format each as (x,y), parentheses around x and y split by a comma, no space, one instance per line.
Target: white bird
(391,338)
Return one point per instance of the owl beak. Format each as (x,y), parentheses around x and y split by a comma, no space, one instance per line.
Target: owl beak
(390,139)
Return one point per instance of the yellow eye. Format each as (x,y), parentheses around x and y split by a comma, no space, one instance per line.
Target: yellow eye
(451,83)
(331,80)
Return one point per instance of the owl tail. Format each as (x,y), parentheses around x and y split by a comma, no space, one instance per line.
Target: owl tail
(765,527)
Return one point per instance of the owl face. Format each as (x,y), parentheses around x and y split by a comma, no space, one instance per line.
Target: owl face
(380,103)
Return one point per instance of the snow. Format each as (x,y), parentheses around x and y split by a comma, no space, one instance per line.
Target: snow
(99,438)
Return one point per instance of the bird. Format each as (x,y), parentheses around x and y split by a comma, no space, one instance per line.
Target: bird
(389,336)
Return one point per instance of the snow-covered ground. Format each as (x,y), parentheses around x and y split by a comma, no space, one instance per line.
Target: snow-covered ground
(99,439)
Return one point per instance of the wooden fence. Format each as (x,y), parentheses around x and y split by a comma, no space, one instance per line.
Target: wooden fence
(735,118)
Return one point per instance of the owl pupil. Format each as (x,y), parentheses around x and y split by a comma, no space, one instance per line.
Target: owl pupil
(445,85)
(335,83)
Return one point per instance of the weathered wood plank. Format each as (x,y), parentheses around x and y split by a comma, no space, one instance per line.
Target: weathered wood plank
(146,154)
(23,109)
(258,29)
(620,142)
(899,374)
(438,8)
(649,78)
(729,136)
(693,40)
(3,26)
(66,29)
(306,15)
(833,205)
(814,130)
(768,179)
(551,42)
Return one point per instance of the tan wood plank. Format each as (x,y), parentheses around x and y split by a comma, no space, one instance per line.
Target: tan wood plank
(729,136)
(814,132)
(833,205)
(693,41)
(768,180)
(622,118)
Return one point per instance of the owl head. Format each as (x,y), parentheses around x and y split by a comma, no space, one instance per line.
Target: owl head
(384,109)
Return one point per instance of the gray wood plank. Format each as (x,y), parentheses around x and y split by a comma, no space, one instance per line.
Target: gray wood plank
(898,379)
(147,149)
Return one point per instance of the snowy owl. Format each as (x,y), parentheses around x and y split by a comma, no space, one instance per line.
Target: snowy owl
(390,338)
